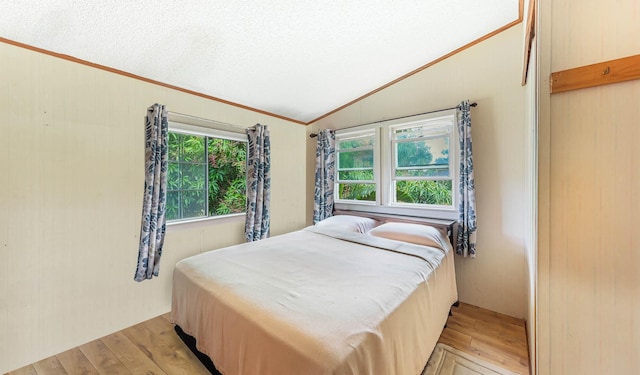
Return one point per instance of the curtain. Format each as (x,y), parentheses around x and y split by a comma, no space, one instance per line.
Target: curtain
(153,225)
(467,226)
(325,175)
(258,183)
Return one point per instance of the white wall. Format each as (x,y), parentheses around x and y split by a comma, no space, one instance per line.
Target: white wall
(589,242)
(532,247)
(490,74)
(72,167)
(531,115)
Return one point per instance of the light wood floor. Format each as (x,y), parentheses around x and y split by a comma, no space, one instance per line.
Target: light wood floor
(496,338)
(152,347)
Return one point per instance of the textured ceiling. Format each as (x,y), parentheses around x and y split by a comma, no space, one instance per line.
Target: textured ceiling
(299,59)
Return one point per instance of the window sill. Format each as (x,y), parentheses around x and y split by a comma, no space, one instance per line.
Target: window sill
(205,221)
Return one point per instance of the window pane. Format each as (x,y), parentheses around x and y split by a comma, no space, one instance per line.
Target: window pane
(193,176)
(355,142)
(192,149)
(227,176)
(173,205)
(191,171)
(421,131)
(174,146)
(425,192)
(423,153)
(186,195)
(432,171)
(363,175)
(193,203)
(355,159)
(361,192)
(173,176)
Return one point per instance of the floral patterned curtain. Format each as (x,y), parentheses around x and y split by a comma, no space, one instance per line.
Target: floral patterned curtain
(153,225)
(467,226)
(258,183)
(325,175)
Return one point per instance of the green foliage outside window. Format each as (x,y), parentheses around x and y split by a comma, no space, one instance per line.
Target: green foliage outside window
(356,164)
(424,192)
(417,160)
(361,192)
(221,166)
(227,176)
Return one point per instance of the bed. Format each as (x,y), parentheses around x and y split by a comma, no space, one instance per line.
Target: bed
(346,296)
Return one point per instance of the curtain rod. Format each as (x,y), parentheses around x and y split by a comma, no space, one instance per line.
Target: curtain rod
(474,104)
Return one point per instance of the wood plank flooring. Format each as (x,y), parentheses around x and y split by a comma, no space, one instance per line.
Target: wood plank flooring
(496,338)
(153,348)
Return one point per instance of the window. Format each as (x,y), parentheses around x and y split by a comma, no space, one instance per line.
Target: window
(406,166)
(356,173)
(207,172)
(421,168)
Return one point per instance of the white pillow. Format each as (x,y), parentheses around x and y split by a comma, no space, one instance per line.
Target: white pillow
(414,233)
(348,223)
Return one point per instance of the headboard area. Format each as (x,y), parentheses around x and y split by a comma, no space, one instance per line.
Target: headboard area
(445,226)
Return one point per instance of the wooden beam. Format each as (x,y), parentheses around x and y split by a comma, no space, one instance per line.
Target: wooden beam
(528,39)
(604,73)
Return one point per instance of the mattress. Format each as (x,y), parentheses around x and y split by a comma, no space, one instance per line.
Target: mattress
(316,301)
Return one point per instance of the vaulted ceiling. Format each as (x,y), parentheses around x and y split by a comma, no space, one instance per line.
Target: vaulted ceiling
(298,59)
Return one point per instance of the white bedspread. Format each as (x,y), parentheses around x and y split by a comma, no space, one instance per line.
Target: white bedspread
(308,303)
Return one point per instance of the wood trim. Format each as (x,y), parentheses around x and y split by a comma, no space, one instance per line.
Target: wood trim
(144,79)
(455,52)
(530,33)
(604,73)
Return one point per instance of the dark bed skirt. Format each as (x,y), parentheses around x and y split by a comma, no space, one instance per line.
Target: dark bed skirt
(190,341)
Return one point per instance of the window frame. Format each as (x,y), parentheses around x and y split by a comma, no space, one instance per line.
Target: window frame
(384,168)
(189,125)
(376,165)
